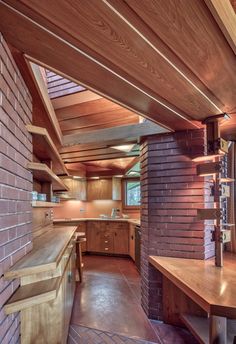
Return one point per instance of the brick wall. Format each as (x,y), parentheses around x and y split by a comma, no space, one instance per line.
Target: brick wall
(15,182)
(171,195)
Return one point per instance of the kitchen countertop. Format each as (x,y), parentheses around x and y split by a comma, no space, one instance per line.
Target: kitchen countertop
(73,220)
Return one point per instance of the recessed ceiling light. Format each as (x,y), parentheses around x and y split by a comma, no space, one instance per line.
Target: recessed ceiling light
(124,148)
(94,177)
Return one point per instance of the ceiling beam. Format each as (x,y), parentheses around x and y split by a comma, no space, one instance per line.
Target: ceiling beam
(52,47)
(43,93)
(225,16)
(102,152)
(128,132)
(101,157)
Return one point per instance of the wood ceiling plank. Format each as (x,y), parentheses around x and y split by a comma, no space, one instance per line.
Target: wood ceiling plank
(86,108)
(98,27)
(19,31)
(97,121)
(192,33)
(74,99)
(115,133)
(225,16)
(97,157)
(93,152)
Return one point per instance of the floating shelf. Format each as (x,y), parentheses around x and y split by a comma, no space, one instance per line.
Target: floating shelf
(40,204)
(43,173)
(209,214)
(33,294)
(44,148)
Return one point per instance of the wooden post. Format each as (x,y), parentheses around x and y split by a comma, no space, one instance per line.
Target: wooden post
(218,330)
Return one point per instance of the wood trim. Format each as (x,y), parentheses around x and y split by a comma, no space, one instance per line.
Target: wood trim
(123,195)
(43,92)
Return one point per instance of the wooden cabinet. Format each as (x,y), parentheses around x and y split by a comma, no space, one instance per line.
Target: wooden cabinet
(108,237)
(77,189)
(132,241)
(45,297)
(99,189)
(103,189)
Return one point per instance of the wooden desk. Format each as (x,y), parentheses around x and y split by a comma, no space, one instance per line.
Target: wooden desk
(204,298)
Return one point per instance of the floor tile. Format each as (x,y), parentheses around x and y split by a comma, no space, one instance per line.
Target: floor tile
(82,334)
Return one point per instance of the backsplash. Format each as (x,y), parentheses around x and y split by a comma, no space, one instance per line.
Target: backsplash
(79,209)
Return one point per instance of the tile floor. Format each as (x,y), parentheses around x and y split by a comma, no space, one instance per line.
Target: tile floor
(107,307)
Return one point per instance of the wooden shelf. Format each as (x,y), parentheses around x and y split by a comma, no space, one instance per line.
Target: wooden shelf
(46,253)
(43,173)
(41,204)
(44,148)
(33,294)
(198,326)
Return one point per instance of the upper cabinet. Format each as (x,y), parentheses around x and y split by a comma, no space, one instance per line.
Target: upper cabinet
(104,189)
(76,189)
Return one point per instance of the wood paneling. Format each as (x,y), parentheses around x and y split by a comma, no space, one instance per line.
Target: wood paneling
(194,36)
(98,27)
(18,30)
(99,189)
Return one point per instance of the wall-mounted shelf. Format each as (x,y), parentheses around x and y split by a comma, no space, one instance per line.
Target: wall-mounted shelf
(41,204)
(44,148)
(43,173)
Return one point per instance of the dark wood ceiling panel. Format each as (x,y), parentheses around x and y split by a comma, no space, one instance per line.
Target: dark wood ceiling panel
(102,30)
(189,29)
(41,46)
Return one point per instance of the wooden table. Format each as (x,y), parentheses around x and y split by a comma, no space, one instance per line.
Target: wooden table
(204,298)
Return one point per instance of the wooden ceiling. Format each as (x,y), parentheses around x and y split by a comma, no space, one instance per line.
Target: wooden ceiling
(170,61)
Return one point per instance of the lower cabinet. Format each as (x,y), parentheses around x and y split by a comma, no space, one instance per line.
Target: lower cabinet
(48,322)
(108,237)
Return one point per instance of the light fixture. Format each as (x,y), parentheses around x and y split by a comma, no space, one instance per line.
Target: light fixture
(124,148)
(119,176)
(94,178)
(77,177)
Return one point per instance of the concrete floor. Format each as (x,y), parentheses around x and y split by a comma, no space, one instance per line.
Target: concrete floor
(107,303)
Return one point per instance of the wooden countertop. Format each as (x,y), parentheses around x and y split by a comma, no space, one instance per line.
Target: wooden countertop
(73,220)
(212,288)
(46,253)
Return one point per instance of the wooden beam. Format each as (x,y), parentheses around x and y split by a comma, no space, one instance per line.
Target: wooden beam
(50,46)
(91,152)
(225,16)
(117,133)
(97,157)
(43,92)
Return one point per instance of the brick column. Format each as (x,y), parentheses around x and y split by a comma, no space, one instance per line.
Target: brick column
(171,195)
(15,182)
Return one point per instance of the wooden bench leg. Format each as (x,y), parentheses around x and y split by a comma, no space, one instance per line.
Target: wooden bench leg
(218,330)
(79,261)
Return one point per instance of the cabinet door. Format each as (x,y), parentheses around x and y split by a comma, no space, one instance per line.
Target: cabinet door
(94,232)
(99,189)
(121,241)
(132,241)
